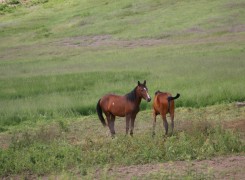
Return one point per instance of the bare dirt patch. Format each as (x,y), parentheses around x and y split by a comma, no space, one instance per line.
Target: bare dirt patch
(238,125)
(173,38)
(4,141)
(107,40)
(231,167)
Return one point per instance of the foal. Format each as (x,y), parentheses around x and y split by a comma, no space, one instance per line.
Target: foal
(164,103)
(122,106)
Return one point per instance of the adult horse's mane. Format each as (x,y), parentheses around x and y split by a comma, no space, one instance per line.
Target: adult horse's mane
(131,96)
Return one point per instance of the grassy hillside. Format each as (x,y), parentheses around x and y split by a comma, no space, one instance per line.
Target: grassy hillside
(58,57)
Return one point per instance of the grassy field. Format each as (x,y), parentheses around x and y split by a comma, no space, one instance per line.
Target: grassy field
(57,58)
(80,147)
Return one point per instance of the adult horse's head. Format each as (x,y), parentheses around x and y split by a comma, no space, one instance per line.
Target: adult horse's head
(142,91)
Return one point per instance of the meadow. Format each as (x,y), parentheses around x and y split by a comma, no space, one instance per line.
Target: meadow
(57,58)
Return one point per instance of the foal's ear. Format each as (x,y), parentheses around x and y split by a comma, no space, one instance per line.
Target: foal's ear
(144,82)
(138,83)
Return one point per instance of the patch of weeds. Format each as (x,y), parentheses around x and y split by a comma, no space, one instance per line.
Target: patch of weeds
(202,141)
(36,2)
(13,2)
(44,134)
(38,158)
(2,129)
(179,147)
(9,6)
(5,8)
(47,150)
(14,119)
(63,126)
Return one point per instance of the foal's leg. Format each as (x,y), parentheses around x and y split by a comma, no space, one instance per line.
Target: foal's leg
(165,123)
(132,124)
(172,122)
(154,123)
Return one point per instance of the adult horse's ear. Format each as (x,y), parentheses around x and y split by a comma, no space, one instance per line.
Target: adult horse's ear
(144,82)
(138,83)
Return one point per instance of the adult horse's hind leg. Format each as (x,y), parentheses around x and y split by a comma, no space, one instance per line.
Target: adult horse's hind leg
(112,125)
(165,123)
(111,121)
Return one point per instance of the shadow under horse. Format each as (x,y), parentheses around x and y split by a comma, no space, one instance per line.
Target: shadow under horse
(123,106)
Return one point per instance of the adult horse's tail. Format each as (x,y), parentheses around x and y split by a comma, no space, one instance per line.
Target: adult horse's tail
(170,98)
(99,112)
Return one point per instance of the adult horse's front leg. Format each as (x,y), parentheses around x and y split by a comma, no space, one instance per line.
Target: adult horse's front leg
(132,124)
(127,123)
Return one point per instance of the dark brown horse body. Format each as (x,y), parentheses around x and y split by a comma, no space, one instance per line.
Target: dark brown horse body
(122,106)
(164,103)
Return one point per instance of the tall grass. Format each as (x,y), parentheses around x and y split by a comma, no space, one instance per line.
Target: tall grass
(63,91)
(46,72)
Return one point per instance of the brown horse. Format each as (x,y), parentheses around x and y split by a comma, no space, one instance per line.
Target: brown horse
(122,106)
(164,103)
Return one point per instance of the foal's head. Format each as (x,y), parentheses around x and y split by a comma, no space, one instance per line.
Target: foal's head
(142,91)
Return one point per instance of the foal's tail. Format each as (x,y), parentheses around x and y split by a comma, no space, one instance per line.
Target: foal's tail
(170,98)
(99,112)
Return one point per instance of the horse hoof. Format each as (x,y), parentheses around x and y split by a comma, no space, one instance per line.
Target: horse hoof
(113,136)
(153,134)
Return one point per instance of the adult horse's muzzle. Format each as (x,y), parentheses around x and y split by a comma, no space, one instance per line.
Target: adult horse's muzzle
(148,97)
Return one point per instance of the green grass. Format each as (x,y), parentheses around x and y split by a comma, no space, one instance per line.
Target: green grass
(57,58)
(41,76)
(71,87)
(81,145)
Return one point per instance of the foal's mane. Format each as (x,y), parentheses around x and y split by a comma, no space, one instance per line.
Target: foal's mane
(131,96)
(157,92)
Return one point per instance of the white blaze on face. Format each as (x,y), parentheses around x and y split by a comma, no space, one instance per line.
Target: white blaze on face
(113,104)
(147,94)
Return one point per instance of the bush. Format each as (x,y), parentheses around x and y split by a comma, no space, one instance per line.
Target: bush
(13,2)
(4,8)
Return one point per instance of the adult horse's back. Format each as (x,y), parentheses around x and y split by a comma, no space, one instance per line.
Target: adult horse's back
(123,106)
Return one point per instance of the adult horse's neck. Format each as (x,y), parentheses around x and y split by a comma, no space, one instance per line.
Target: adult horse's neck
(133,97)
